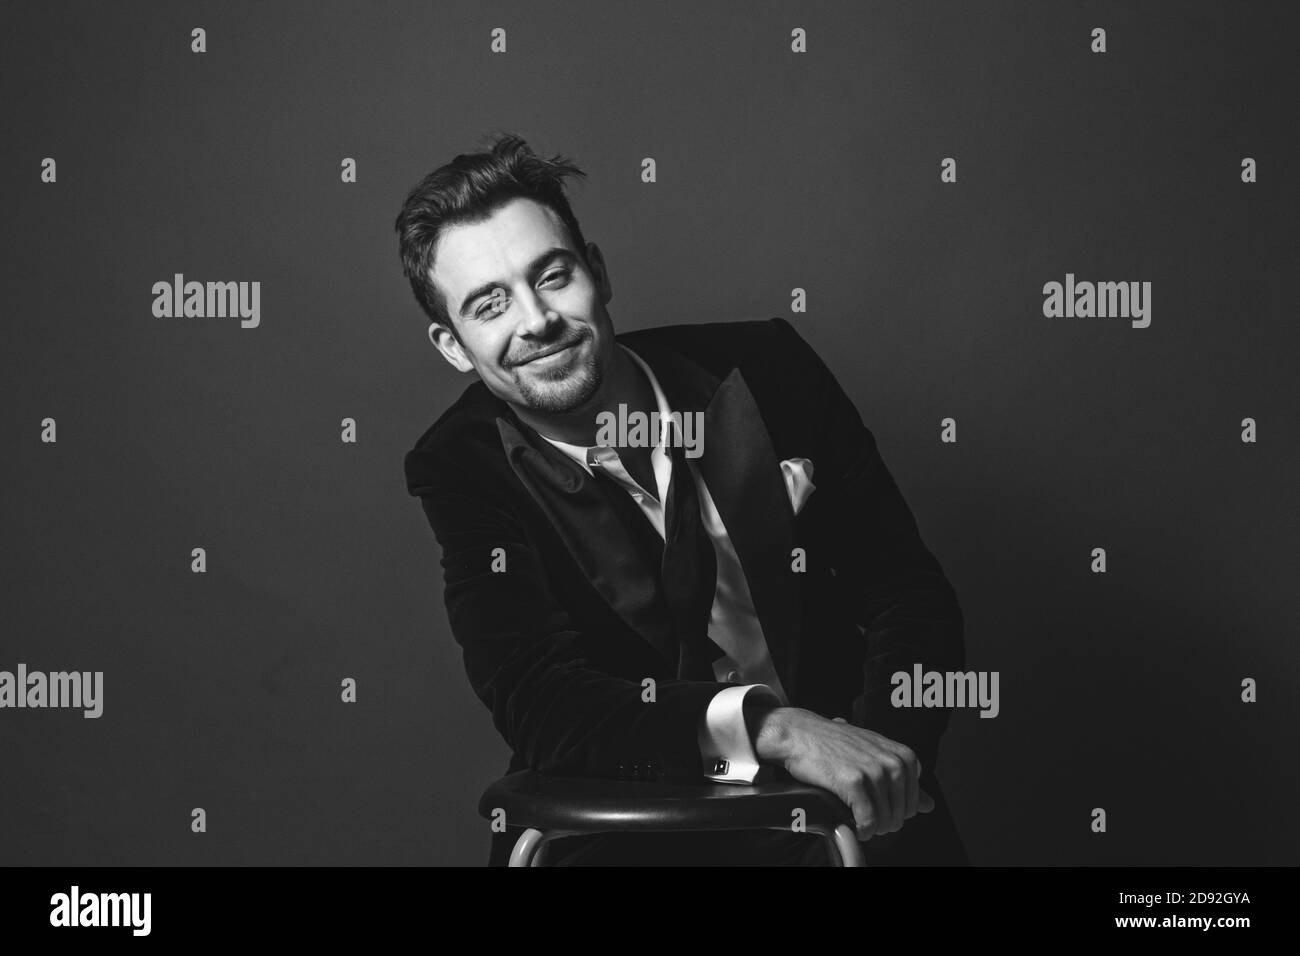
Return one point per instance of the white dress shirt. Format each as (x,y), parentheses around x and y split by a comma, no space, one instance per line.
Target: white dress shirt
(733,624)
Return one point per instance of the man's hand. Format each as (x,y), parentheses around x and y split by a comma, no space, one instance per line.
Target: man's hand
(875,777)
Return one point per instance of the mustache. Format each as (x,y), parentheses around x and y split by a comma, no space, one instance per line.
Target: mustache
(552,347)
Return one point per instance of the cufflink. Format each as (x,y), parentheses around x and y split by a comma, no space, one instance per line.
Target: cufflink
(720,766)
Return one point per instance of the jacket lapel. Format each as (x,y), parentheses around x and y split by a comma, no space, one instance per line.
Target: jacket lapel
(743,474)
(600,543)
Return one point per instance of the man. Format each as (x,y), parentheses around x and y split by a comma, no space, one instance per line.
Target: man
(718,602)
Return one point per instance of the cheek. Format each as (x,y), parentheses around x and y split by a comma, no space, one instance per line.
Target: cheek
(491,347)
(579,296)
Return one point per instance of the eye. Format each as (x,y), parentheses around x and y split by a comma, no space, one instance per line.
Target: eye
(557,274)
(495,299)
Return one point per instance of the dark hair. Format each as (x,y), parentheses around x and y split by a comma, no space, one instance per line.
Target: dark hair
(468,190)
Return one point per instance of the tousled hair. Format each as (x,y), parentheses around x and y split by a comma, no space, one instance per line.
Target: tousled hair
(468,190)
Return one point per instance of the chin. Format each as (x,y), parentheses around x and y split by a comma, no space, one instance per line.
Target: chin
(556,396)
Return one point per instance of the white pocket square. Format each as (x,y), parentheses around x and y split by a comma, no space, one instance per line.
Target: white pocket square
(798,474)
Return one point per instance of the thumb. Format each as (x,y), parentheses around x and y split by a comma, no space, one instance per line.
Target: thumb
(924,802)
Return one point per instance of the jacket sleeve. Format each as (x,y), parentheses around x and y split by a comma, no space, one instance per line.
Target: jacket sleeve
(895,587)
(525,660)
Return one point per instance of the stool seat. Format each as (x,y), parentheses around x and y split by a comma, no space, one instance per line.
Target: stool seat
(534,799)
(551,806)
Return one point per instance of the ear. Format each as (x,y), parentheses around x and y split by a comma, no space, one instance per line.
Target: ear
(450,348)
(600,273)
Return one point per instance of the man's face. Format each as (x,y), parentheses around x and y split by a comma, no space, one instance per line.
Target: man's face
(516,288)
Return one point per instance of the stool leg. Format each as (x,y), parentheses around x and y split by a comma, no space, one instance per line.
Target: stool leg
(846,845)
(540,850)
(525,847)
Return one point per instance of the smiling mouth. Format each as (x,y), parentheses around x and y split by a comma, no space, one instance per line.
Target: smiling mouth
(549,352)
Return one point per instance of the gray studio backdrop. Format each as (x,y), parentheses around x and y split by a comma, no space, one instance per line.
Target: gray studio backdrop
(776,170)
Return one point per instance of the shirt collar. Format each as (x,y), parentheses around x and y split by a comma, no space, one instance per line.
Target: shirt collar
(581,453)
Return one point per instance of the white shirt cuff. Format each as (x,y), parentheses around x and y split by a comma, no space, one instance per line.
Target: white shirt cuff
(724,738)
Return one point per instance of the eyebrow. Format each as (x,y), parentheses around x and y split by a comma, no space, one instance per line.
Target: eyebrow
(534,267)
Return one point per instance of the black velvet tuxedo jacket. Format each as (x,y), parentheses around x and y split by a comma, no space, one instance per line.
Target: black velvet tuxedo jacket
(557,645)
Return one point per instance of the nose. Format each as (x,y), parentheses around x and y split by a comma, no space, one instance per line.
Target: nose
(537,317)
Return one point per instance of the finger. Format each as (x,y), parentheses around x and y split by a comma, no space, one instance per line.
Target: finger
(839,720)
(877,783)
(864,813)
(895,778)
(925,804)
(911,768)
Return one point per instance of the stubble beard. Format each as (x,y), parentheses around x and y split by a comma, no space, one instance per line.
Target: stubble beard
(563,390)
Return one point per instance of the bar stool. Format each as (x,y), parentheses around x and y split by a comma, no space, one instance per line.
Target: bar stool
(551,807)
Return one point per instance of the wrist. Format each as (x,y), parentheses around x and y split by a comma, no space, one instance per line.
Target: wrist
(771,732)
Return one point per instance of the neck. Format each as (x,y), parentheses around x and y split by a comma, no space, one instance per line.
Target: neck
(625,384)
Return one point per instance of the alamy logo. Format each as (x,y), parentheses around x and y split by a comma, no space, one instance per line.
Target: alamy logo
(946,689)
(102,909)
(57,689)
(219,300)
(1121,300)
(639,430)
